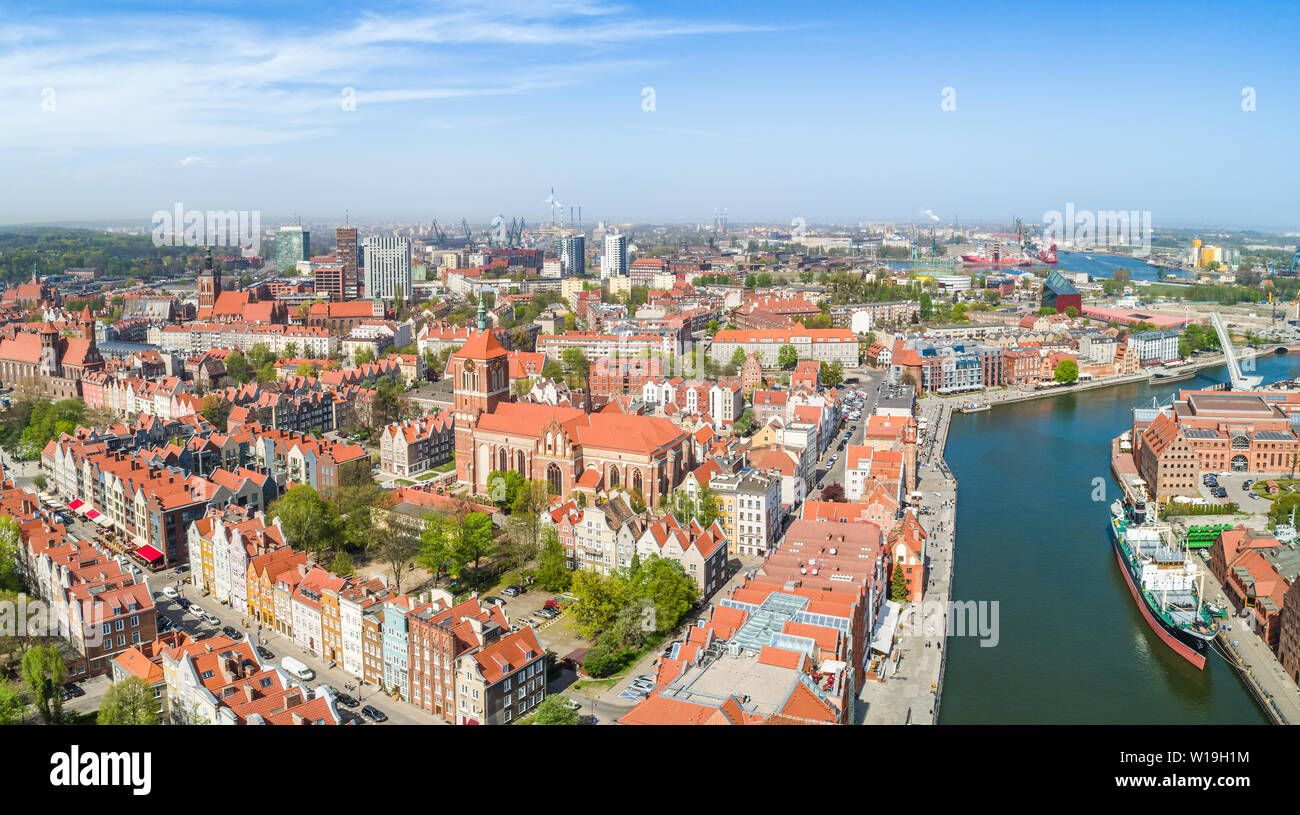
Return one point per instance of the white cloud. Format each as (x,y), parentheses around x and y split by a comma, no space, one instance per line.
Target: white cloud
(127,81)
(188,160)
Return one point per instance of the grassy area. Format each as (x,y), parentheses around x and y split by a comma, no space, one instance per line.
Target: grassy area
(445,468)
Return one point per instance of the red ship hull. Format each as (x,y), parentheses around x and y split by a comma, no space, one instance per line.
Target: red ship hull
(975,259)
(1179,648)
(1048,255)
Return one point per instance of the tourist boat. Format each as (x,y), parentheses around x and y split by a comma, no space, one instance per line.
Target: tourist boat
(1166,584)
(1173,373)
(974,407)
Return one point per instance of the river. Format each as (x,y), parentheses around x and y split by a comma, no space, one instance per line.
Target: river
(1073,647)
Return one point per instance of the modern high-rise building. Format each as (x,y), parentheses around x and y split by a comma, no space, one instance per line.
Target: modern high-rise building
(573,255)
(613,262)
(292,244)
(345,240)
(388,267)
(328,273)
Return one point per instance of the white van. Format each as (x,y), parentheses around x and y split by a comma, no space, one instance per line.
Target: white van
(295,668)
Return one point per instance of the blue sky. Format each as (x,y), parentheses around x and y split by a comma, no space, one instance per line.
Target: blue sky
(828,111)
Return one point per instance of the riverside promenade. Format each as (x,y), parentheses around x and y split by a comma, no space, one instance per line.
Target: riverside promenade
(912,683)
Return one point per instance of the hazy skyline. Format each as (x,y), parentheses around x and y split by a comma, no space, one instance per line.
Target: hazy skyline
(770,110)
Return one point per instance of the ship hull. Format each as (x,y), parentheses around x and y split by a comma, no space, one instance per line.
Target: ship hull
(1191,648)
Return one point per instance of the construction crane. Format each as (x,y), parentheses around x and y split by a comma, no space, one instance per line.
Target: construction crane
(469,236)
(439,237)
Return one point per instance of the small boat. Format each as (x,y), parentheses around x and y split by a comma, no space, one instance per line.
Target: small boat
(972,407)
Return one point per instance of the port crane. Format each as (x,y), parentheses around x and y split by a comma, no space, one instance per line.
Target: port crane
(439,237)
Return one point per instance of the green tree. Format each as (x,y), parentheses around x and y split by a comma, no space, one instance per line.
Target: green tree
(598,601)
(832,374)
(310,523)
(1067,371)
(552,574)
(398,547)
(788,358)
(476,541)
(738,358)
(898,585)
(43,673)
(129,702)
(13,705)
(11,541)
(438,544)
(665,586)
(342,564)
(363,356)
(237,368)
(553,711)
(927,306)
(216,410)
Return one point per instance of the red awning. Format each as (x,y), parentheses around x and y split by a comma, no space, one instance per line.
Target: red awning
(149,553)
(76,503)
(92,514)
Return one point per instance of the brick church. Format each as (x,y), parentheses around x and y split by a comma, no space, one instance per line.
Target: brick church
(51,365)
(555,444)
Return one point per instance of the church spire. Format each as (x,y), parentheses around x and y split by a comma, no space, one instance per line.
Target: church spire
(482,313)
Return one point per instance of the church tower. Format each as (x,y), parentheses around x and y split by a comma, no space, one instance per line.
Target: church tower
(209,283)
(480,373)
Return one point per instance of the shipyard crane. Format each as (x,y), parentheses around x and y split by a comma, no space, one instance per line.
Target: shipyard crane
(438,236)
(469,236)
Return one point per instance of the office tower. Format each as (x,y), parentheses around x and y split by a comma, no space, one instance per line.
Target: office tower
(328,273)
(292,244)
(613,262)
(345,240)
(388,267)
(573,255)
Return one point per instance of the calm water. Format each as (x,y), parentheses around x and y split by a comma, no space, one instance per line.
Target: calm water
(1074,648)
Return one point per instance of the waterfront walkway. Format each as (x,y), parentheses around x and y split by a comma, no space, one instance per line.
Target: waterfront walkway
(913,684)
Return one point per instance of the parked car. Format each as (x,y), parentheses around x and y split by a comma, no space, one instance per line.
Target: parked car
(345,699)
(374,714)
(232,632)
(569,703)
(514,590)
(265,653)
(170,592)
(71,690)
(165,624)
(546,613)
(182,602)
(198,612)
(212,619)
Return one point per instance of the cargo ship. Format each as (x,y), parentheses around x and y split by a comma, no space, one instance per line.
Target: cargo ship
(995,260)
(1047,255)
(1165,583)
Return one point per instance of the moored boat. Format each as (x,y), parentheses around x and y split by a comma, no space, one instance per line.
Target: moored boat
(1165,584)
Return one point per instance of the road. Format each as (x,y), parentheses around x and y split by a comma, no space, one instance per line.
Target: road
(832,472)
(281,646)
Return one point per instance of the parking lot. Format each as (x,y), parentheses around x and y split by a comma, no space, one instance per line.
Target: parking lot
(1232,485)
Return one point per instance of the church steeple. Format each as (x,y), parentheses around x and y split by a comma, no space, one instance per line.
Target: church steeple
(482,313)
(209,283)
